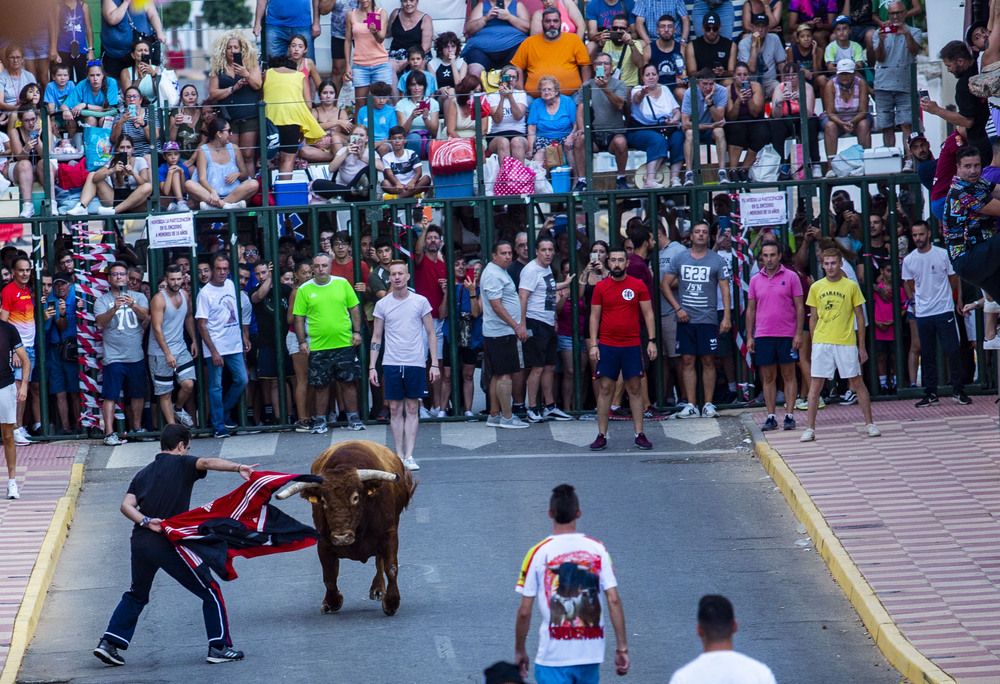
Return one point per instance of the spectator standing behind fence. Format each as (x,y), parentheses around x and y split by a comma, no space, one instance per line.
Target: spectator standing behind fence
(775,317)
(402,316)
(63,370)
(430,281)
(284,19)
(712,101)
(541,297)
(649,13)
(745,128)
(711,50)
(667,54)
(607,104)
(170,357)
(944,170)
(618,306)
(932,284)
(564,567)
(896,46)
(121,315)
(762,52)
(223,343)
(17,307)
(234,82)
(701,275)
(72,25)
(835,312)
(923,159)
(719,663)
(503,335)
(495,32)
(119,24)
(332,310)
(469,343)
(555,54)
(263,300)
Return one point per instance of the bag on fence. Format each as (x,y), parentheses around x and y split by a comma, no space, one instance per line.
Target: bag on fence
(514,178)
(850,162)
(765,167)
(554,156)
(453,155)
(97,146)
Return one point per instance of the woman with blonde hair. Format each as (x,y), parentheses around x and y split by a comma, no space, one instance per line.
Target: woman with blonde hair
(234,82)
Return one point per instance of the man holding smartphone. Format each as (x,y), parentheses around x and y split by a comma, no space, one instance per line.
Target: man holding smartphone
(896,46)
(607,102)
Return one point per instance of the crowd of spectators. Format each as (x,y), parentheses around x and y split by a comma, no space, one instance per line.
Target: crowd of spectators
(525,71)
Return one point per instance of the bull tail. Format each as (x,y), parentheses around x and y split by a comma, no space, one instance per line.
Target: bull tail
(411,485)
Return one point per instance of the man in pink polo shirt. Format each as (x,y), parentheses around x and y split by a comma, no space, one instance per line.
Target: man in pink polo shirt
(775,315)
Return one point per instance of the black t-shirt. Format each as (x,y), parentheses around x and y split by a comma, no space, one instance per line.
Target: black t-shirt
(264,313)
(163,489)
(10,339)
(514,271)
(709,56)
(972,107)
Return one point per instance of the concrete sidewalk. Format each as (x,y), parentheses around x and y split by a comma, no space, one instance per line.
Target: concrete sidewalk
(915,511)
(32,530)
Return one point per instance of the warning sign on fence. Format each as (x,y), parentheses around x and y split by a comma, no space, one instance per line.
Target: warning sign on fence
(171,230)
(763,208)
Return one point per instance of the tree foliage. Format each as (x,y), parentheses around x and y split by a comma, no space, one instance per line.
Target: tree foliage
(176,14)
(226,14)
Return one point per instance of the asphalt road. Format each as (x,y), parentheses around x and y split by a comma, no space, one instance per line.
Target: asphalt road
(696,515)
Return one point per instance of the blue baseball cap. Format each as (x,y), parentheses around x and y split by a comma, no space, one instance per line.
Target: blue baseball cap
(842,19)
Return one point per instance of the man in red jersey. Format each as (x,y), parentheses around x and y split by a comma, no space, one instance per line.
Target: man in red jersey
(615,346)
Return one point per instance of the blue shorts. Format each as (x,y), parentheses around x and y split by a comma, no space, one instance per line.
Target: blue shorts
(63,377)
(267,363)
(615,360)
(565,343)
(489,60)
(34,366)
(568,674)
(772,350)
(697,339)
(130,375)
(364,76)
(404,382)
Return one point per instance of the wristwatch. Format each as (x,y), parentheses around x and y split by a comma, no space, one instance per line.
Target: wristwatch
(145,522)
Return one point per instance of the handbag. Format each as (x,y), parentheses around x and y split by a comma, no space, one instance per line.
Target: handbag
(514,178)
(67,349)
(453,155)
(464,324)
(554,156)
(97,146)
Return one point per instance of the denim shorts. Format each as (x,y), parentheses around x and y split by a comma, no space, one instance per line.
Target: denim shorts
(364,76)
(31,357)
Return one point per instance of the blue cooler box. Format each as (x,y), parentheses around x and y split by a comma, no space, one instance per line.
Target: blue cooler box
(454,184)
(294,192)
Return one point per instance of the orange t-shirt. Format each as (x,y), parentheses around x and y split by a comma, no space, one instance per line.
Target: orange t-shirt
(17,302)
(561,58)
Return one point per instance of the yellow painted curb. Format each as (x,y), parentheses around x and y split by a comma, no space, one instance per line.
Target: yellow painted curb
(41,577)
(896,648)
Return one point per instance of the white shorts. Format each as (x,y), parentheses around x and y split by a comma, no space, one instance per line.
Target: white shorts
(8,405)
(292,342)
(827,358)
(988,306)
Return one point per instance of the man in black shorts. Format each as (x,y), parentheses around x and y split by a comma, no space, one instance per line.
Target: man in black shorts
(161,490)
(503,335)
(10,395)
(607,124)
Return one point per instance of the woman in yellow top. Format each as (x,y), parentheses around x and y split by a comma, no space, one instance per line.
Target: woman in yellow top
(286,92)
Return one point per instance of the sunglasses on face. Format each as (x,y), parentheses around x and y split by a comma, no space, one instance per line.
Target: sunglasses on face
(250,251)
(711,29)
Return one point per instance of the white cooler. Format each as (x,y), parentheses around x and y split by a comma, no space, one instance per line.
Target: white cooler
(881,160)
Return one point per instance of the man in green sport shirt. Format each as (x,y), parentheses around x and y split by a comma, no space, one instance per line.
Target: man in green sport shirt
(331,307)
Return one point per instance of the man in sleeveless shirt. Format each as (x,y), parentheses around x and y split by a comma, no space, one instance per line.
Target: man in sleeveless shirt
(169,355)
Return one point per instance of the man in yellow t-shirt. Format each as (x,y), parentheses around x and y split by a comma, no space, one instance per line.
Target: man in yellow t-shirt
(553,53)
(834,305)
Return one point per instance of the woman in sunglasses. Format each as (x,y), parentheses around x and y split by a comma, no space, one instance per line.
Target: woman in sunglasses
(93,98)
(121,186)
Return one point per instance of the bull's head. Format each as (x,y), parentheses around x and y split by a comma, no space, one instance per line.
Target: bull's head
(339,497)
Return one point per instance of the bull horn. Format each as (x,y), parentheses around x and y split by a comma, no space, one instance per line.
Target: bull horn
(294,489)
(365,475)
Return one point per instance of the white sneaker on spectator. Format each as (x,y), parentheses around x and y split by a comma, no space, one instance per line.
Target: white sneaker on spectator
(12,492)
(993,343)
(555,413)
(183,417)
(708,410)
(689,178)
(78,210)
(873,431)
(106,211)
(204,206)
(651,185)
(21,437)
(689,411)
(513,423)
(675,182)
(817,172)
(235,205)
(831,174)
(424,413)
(27,209)
(410,464)
(808,436)
(723,177)
(494,421)
(172,207)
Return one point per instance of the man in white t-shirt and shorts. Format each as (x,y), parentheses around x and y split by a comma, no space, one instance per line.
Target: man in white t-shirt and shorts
(568,571)
(400,316)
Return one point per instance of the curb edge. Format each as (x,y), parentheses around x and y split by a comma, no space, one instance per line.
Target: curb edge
(897,649)
(41,576)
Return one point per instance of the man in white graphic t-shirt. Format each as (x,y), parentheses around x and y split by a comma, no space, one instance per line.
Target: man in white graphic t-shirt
(569,570)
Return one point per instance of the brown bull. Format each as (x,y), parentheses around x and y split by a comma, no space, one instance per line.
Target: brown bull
(356,512)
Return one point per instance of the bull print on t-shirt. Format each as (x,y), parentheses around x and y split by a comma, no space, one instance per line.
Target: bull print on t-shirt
(573,590)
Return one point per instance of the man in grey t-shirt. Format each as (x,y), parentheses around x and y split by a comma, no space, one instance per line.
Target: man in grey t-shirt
(699,273)
(502,335)
(121,315)
(607,125)
(896,46)
(763,52)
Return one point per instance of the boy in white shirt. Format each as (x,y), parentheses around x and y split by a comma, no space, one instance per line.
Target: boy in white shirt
(403,172)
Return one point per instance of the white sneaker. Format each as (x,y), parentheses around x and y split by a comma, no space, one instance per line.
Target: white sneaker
(992,343)
(817,171)
(12,492)
(708,410)
(21,437)
(78,210)
(204,206)
(27,209)
(689,411)
(410,464)
(873,431)
(437,412)
(534,417)
(514,423)
(801,404)
(808,436)
(235,205)
(183,417)
(494,421)
(172,208)
(831,174)
(424,413)
(675,182)
(555,413)
(689,178)
(723,177)
(106,211)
